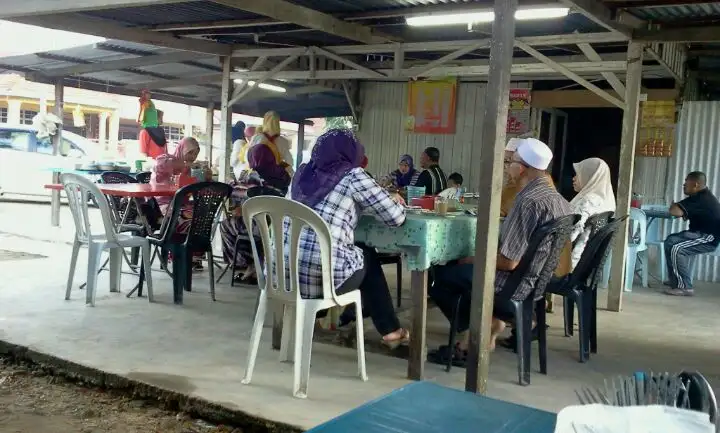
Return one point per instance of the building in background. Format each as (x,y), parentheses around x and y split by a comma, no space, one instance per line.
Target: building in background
(110,120)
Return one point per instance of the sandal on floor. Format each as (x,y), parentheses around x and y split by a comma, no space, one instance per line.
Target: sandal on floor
(404,340)
(440,356)
(197,267)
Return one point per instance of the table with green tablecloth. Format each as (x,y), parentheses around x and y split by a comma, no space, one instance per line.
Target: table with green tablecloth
(424,240)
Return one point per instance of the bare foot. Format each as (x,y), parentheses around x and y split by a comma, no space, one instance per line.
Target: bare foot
(498,326)
(396,338)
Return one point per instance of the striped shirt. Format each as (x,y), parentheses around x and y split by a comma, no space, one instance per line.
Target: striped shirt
(536,204)
(433,179)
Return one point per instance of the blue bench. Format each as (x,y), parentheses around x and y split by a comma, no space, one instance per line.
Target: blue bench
(425,407)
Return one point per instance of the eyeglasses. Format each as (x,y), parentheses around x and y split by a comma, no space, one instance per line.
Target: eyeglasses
(519,161)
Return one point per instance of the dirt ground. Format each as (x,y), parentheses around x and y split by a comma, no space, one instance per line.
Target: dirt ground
(32,402)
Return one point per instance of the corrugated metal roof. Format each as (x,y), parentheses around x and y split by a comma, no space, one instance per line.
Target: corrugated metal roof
(347,6)
(173,13)
(301,107)
(677,12)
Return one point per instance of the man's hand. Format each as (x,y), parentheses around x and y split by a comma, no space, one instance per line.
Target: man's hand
(677,211)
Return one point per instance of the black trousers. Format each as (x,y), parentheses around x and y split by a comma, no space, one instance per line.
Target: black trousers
(376,300)
(453,281)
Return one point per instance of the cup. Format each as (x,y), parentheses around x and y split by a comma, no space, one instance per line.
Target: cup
(441,206)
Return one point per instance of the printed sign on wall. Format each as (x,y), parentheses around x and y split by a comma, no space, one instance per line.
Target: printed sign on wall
(518,121)
(431,106)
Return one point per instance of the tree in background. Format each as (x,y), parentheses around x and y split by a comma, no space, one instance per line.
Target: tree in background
(343,122)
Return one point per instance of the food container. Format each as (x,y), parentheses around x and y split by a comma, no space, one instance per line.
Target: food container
(425,202)
(414,192)
(198,174)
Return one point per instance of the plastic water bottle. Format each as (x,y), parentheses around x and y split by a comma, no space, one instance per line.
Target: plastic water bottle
(460,195)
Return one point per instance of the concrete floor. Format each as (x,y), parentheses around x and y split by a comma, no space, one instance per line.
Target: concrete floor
(200,348)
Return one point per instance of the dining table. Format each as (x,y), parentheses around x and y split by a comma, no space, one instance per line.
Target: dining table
(424,240)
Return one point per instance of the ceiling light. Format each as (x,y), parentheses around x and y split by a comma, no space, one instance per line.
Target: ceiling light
(264,86)
(484,17)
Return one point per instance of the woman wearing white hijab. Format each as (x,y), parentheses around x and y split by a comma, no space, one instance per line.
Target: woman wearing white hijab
(594,195)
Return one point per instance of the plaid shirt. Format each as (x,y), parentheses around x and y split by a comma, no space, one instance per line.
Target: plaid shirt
(536,204)
(355,194)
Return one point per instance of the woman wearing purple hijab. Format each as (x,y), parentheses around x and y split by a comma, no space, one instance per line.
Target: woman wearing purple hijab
(335,186)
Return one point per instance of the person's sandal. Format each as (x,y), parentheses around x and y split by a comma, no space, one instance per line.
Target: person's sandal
(404,340)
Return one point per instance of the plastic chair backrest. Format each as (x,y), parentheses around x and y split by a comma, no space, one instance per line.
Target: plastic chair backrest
(207,200)
(269,213)
(593,256)
(79,191)
(638,228)
(596,222)
(143,177)
(116,177)
(116,203)
(556,233)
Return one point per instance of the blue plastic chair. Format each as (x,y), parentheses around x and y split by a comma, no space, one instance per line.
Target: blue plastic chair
(637,244)
(655,239)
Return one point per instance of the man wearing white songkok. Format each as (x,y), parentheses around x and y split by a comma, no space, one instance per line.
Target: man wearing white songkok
(536,204)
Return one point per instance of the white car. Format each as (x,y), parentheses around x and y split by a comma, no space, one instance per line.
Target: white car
(26,163)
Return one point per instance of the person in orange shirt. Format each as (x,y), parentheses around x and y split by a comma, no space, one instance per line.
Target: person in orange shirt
(152,139)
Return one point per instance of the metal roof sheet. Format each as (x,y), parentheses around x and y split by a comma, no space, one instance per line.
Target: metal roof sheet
(677,12)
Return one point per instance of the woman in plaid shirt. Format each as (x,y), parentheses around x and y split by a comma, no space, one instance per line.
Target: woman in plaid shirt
(334,185)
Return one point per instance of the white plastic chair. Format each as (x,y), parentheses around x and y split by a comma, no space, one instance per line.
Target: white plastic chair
(78,190)
(298,313)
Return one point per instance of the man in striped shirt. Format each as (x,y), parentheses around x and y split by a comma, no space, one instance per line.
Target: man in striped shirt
(537,203)
(433,179)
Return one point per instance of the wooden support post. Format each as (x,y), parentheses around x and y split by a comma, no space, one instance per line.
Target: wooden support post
(57,140)
(209,129)
(625,178)
(491,167)
(226,119)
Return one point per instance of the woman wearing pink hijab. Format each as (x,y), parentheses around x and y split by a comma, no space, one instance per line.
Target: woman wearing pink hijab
(179,163)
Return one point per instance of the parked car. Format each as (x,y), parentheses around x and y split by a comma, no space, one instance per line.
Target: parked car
(26,162)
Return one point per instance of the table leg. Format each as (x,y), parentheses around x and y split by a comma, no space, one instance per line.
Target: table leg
(418,343)
(148,230)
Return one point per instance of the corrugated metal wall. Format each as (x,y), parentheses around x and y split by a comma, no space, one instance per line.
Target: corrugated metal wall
(697,148)
(382,130)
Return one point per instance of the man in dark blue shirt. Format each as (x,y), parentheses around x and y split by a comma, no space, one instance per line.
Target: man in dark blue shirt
(703,210)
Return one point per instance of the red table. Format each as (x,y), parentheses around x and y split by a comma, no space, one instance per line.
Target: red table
(134,190)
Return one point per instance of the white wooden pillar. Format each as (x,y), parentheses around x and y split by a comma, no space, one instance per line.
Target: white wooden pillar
(188,128)
(492,144)
(43,105)
(625,175)
(14,107)
(57,139)
(114,130)
(209,126)
(226,119)
(102,130)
